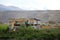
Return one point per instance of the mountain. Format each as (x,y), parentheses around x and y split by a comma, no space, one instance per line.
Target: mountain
(8,8)
(8,12)
(43,15)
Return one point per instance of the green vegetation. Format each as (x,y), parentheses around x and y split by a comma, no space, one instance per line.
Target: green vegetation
(3,27)
(29,33)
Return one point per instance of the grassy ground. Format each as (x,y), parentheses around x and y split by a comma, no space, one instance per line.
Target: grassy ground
(29,33)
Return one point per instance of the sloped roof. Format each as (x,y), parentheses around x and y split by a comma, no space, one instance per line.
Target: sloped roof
(36,19)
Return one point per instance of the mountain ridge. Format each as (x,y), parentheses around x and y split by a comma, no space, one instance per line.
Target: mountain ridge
(8,8)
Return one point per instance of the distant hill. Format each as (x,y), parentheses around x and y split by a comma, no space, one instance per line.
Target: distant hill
(8,8)
(8,12)
(43,15)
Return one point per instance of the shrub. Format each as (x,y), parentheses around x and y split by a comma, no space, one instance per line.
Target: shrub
(29,34)
(3,27)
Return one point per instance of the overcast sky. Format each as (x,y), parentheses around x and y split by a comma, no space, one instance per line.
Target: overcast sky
(33,4)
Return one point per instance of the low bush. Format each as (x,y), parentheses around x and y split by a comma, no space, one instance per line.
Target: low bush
(29,34)
(3,27)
